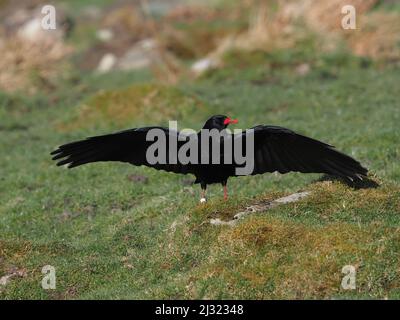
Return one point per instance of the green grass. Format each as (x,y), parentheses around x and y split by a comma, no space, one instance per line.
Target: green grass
(110,237)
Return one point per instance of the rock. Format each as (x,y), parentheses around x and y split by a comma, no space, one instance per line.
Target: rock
(30,30)
(91,12)
(291,198)
(303,69)
(219,222)
(27,25)
(4,280)
(107,63)
(262,206)
(105,35)
(203,65)
(13,20)
(141,55)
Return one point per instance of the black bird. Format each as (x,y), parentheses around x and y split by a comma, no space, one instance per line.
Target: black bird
(275,149)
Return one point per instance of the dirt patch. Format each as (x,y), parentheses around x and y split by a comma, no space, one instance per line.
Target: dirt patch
(138,178)
(12,257)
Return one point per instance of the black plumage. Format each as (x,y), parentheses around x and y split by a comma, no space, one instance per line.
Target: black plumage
(275,149)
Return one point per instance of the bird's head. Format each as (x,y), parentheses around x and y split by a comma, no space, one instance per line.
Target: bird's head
(219,122)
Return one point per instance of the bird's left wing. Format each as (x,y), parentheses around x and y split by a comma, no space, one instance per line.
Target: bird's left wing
(124,146)
(283,150)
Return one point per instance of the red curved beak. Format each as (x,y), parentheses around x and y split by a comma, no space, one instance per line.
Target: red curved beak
(230,121)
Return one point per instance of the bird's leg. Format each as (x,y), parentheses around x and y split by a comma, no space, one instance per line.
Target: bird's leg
(203,198)
(224,184)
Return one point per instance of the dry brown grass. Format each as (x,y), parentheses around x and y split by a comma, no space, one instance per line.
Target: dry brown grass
(377,34)
(128,23)
(326,16)
(189,13)
(378,37)
(27,65)
(13,254)
(335,197)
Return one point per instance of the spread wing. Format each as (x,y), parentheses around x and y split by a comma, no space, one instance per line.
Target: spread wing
(280,149)
(124,146)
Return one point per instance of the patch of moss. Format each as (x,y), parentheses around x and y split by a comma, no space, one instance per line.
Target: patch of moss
(139,103)
(266,257)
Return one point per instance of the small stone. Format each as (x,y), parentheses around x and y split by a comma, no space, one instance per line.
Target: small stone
(203,65)
(106,63)
(303,69)
(105,34)
(140,55)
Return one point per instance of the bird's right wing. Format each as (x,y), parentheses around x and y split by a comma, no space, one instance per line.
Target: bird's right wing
(124,146)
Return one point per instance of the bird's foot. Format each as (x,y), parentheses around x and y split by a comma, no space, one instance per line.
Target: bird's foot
(203,200)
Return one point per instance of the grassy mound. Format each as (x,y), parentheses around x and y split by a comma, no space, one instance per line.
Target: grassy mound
(139,103)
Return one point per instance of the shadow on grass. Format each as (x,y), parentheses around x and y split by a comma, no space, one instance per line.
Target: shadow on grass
(366,183)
